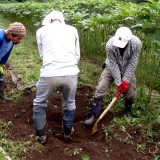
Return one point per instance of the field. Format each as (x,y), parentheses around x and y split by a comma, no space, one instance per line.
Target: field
(111,142)
(136,137)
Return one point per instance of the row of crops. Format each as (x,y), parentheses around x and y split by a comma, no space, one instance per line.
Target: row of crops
(96,21)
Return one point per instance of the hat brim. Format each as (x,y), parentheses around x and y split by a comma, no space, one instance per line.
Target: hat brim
(119,43)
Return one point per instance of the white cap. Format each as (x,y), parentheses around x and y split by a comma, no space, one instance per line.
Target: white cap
(122,36)
(52,16)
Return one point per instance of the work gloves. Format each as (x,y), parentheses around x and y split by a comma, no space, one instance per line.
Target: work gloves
(122,88)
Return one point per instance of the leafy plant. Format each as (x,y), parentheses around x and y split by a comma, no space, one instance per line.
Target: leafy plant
(85,157)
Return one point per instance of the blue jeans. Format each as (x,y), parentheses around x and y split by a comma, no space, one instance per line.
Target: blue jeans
(45,87)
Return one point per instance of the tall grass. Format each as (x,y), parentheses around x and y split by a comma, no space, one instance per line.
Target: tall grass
(97,21)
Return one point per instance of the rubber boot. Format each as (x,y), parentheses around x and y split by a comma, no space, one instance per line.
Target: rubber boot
(95,109)
(127,107)
(41,136)
(3,97)
(68,129)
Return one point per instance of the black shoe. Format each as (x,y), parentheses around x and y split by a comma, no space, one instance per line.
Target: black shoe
(42,139)
(68,137)
(89,122)
(65,137)
(127,107)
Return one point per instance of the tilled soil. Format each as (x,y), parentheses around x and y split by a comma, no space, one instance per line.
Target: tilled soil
(110,145)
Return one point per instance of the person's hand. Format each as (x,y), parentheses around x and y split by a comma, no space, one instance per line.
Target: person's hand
(125,86)
(122,88)
(103,66)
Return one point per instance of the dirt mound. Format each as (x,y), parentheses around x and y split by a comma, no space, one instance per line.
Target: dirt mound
(97,147)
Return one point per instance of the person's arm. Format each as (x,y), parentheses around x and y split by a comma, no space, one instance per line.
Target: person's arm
(4,55)
(39,44)
(1,36)
(132,64)
(77,46)
(112,65)
(1,40)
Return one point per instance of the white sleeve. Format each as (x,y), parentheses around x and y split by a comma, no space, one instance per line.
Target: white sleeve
(77,46)
(39,43)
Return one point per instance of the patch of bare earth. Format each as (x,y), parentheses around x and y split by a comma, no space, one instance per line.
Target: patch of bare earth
(97,147)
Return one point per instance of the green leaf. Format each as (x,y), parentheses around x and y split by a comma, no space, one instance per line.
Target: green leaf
(85,157)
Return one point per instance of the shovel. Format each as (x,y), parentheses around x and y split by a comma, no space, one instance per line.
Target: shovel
(94,129)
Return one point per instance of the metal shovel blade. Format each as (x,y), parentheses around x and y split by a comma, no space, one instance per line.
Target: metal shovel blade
(94,129)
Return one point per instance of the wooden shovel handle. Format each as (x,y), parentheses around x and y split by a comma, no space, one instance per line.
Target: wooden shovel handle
(107,108)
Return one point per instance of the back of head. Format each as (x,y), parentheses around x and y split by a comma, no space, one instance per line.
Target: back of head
(54,15)
(122,36)
(17,29)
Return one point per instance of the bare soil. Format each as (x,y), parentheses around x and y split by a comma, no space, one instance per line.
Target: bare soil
(97,147)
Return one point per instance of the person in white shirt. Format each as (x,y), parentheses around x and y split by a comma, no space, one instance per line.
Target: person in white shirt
(58,46)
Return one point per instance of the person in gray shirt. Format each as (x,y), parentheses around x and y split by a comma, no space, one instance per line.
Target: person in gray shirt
(122,51)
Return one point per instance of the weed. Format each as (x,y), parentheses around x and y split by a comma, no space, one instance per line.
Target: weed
(15,149)
(141,147)
(107,137)
(85,157)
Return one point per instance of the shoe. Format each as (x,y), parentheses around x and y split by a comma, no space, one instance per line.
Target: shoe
(68,137)
(42,139)
(127,108)
(65,137)
(89,122)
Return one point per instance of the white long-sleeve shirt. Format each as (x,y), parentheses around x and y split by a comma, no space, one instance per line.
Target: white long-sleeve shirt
(58,46)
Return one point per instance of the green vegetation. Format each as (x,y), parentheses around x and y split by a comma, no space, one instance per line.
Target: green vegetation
(1,156)
(13,148)
(96,21)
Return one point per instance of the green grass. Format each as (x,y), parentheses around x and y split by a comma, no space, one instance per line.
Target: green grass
(15,149)
(24,60)
(25,64)
(1,156)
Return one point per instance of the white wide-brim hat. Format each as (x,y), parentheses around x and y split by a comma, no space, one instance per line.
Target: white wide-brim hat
(52,16)
(122,36)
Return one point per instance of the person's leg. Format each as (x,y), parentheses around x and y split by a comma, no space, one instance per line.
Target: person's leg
(1,88)
(44,89)
(69,88)
(3,97)
(101,90)
(129,96)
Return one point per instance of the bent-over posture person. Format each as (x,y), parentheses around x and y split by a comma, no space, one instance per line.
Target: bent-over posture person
(58,45)
(8,38)
(122,51)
